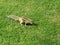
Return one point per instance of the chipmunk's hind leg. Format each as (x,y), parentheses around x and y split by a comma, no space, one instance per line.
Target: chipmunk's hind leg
(21,23)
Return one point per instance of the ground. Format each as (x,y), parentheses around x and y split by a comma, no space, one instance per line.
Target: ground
(46,15)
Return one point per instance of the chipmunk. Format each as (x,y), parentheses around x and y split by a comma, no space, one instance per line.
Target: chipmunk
(22,20)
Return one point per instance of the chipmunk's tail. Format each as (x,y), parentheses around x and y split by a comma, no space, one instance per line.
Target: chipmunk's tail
(13,17)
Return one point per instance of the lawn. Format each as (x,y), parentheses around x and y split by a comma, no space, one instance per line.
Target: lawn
(45,13)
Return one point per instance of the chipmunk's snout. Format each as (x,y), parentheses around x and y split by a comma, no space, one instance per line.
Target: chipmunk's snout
(31,23)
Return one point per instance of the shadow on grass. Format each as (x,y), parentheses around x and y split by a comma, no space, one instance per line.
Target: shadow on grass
(31,24)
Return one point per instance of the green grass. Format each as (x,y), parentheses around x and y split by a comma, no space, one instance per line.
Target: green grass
(45,13)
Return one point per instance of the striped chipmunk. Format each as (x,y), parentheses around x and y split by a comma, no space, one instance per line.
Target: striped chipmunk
(22,20)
